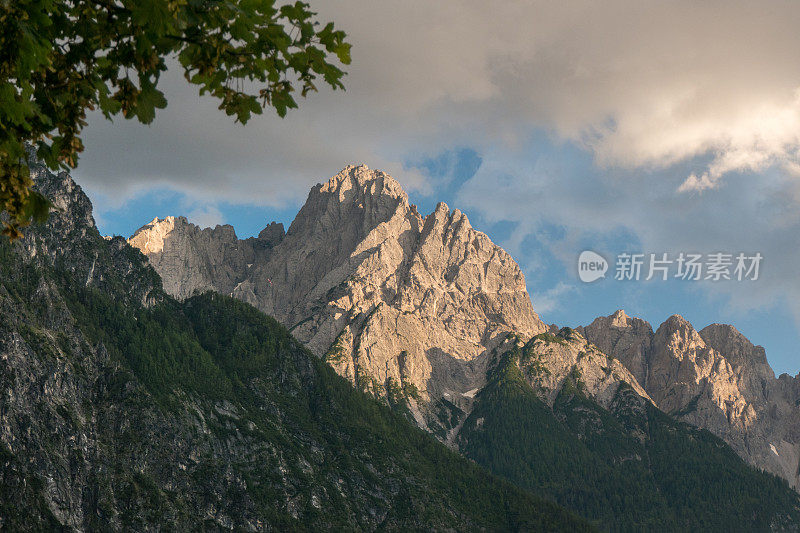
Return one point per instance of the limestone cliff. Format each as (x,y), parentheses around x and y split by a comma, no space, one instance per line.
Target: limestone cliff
(193,260)
(715,379)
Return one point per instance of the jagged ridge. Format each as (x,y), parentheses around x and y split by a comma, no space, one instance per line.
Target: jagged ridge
(715,379)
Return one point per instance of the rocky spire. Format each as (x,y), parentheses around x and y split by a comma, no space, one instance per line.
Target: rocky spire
(628,339)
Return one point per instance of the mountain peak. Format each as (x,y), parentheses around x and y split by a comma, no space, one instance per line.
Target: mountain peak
(677,320)
(363,182)
(272,234)
(677,324)
(349,205)
(627,338)
(727,330)
(679,333)
(150,237)
(736,348)
(620,318)
(170,220)
(361,273)
(72,208)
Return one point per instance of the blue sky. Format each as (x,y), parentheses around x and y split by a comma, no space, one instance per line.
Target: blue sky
(653,127)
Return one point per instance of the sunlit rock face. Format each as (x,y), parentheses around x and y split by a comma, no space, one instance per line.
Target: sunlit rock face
(191,259)
(715,379)
(391,299)
(626,337)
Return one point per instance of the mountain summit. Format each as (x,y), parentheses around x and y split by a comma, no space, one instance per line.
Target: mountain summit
(391,299)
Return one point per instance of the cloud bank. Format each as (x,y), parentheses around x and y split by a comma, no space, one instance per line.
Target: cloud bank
(640,84)
(688,112)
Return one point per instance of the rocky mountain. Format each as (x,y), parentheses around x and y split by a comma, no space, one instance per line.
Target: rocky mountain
(124,409)
(714,379)
(392,300)
(409,308)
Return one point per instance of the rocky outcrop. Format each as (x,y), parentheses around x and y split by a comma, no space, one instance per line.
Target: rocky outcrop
(625,337)
(715,379)
(389,298)
(548,360)
(112,266)
(193,260)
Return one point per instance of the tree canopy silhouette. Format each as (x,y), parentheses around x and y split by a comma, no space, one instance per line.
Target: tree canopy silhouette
(62,58)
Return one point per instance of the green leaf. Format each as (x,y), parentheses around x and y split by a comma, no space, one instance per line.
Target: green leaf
(36,207)
(46,90)
(342,51)
(148,100)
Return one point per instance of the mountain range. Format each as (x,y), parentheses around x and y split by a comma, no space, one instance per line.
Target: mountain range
(124,409)
(368,369)
(394,299)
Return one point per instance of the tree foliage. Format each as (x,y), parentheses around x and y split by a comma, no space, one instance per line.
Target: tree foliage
(61,58)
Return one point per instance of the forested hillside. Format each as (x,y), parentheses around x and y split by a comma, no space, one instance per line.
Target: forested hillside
(630,467)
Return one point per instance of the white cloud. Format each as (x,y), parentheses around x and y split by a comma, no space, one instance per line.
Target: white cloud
(593,208)
(643,84)
(698,184)
(549,300)
(206,216)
